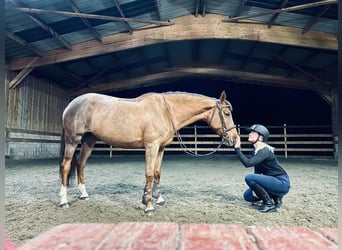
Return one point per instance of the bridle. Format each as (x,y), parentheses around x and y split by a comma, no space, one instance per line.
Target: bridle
(224,127)
(223,123)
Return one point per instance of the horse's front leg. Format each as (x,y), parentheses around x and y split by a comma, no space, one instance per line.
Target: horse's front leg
(156,183)
(150,158)
(88,141)
(64,171)
(65,166)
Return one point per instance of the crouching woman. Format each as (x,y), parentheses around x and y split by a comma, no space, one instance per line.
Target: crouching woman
(269,182)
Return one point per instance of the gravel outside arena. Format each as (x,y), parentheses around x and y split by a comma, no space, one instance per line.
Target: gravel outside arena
(196,190)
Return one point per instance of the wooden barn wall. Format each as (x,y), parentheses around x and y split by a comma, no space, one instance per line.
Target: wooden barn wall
(35,105)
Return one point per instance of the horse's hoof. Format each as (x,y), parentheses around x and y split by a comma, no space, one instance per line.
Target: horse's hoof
(64,205)
(85,198)
(149,211)
(160,201)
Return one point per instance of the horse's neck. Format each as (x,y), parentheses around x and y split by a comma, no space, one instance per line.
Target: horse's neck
(187,109)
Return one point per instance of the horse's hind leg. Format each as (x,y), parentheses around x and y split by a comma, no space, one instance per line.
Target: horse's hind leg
(88,142)
(156,183)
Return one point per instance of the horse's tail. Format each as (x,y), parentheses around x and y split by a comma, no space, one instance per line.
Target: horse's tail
(72,172)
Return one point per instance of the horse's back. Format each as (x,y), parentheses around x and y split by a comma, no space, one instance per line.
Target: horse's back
(114,119)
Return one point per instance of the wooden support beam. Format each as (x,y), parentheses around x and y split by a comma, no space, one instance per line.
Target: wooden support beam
(273,12)
(225,74)
(22,74)
(187,28)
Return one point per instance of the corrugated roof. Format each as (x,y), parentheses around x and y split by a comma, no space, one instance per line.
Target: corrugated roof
(143,60)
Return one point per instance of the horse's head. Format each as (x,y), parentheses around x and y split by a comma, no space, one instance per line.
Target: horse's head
(221,120)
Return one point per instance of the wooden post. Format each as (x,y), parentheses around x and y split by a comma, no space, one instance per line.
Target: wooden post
(195,134)
(285,141)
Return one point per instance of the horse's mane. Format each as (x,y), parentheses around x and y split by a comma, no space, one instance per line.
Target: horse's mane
(170,93)
(187,94)
(184,93)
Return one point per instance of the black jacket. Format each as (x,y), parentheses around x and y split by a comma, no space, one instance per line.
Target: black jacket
(264,162)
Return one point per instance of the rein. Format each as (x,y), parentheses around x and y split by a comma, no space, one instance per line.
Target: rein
(179,137)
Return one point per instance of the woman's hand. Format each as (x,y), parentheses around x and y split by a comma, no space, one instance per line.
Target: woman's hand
(237,142)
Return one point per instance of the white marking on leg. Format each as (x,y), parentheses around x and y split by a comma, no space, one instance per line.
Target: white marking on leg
(148,210)
(82,189)
(160,201)
(63,195)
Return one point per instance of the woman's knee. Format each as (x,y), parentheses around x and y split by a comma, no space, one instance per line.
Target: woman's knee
(249,178)
(248,196)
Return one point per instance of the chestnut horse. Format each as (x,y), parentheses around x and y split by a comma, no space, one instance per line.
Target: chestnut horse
(149,121)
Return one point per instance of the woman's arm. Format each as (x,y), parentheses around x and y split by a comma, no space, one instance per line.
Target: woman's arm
(249,162)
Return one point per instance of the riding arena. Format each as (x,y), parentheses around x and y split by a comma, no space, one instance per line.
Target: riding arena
(121,119)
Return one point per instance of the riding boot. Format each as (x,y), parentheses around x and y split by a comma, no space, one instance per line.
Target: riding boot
(277,201)
(267,203)
(267,206)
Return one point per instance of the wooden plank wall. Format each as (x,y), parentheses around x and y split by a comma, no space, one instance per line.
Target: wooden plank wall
(35,105)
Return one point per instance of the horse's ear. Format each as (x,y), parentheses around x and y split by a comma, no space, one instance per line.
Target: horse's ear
(223,96)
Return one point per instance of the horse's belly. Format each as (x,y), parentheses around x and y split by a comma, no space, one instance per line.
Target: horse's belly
(125,142)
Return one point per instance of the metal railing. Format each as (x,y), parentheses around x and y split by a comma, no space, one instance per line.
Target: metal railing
(287,140)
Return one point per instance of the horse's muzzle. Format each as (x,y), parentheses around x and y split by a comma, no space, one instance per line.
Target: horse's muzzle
(228,141)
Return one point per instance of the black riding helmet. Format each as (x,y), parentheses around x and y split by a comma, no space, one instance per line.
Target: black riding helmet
(260,129)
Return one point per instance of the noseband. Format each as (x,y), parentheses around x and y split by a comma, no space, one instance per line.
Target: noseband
(224,127)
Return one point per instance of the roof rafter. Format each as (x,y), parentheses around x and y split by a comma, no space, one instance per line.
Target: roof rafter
(158,8)
(118,7)
(239,10)
(274,17)
(309,75)
(204,5)
(44,26)
(314,19)
(117,63)
(303,61)
(273,12)
(72,4)
(279,53)
(249,55)
(90,16)
(23,43)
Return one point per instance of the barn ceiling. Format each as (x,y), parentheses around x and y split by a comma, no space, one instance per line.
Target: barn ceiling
(111,45)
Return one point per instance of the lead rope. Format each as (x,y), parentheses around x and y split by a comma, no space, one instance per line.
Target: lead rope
(180,141)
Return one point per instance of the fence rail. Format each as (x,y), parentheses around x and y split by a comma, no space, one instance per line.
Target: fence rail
(287,140)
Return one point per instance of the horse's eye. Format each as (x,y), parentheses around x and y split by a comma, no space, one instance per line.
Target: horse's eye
(227,113)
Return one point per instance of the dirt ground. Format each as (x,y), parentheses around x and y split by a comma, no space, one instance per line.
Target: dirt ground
(196,190)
